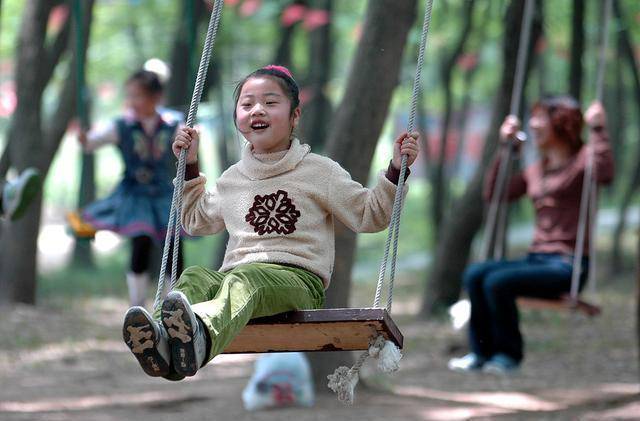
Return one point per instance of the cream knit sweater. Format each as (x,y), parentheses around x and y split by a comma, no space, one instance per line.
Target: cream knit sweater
(279,208)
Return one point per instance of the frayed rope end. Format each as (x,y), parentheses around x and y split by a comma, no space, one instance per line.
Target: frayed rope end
(389,358)
(343,382)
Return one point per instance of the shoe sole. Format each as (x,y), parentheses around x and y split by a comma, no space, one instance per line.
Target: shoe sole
(139,335)
(180,330)
(27,193)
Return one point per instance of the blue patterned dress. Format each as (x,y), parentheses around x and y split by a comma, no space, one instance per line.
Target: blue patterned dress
(141,202)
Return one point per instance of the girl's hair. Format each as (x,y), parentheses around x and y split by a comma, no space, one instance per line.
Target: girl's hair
(281,75)
(565,118)
(149,81)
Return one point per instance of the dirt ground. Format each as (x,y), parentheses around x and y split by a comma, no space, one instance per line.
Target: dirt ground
(66,361)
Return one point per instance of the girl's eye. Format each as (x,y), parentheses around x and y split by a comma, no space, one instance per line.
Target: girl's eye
(271,102)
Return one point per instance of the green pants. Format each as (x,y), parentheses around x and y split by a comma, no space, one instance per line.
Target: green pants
(226,301)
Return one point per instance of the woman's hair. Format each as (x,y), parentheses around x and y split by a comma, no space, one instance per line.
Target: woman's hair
(565,118)
(149,81)
(281,75)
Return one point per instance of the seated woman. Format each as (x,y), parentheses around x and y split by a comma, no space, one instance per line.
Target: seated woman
(554,184)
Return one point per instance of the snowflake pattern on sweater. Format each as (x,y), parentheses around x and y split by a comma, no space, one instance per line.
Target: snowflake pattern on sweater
(273,213)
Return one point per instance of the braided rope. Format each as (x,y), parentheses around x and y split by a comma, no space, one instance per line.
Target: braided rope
(176,202)
(588,199)
(344,379)
(494,216)
(394,225)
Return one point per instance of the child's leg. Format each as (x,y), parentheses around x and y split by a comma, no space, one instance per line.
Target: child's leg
(256,290)
(138,276)
(198,284)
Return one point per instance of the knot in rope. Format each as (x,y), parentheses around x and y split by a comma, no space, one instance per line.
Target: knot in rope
(343,381)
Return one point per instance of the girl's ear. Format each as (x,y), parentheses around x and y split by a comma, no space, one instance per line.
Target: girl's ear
(295,117)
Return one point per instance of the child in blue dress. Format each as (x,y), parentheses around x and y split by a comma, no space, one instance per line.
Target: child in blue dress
(139,206)
(278,204)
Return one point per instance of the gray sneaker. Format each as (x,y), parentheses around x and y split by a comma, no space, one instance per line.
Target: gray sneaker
(502,365)
(186,334)
(19,193)
(148,341)
(469,363)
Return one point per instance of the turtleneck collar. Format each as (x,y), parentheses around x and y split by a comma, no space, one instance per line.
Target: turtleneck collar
(269,165)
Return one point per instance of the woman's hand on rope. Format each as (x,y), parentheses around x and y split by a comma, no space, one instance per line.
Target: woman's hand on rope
(510,131)
(595,116)
(186,138)
(405,144)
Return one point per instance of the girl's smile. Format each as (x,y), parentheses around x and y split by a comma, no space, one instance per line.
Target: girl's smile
(264,116)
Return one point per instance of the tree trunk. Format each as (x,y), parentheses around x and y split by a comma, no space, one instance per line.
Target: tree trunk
(439,184)
(452,251)
(37,145)
(356,127)
(627,52)
(184,53)
(224,155)
(283,52)
(317,111)
(638,296)
(82,254)
(577,49)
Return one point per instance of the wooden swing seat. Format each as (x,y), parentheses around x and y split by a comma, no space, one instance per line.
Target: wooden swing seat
(563,303)
(341,329)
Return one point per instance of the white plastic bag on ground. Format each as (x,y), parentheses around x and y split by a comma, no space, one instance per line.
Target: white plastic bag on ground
(279,380)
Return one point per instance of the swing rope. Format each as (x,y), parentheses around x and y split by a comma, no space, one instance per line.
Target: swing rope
(344,379)
(589,197)
(176,202)
(495,211)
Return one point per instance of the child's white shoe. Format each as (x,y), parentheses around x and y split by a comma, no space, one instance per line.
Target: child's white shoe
(187,337)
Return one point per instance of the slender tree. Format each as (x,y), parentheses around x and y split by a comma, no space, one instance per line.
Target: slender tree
(36,60)
(464,220)
(317,110)
(357,124)
(448,60)
(631,186)
(577,49)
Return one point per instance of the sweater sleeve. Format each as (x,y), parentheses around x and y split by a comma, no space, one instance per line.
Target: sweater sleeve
(106,134)
(603,156)
(516,187)
(360,208)
(201,213)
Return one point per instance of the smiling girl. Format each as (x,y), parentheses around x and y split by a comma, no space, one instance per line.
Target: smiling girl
(278,204)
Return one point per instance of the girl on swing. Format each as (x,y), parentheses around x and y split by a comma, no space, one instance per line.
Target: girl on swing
(554,184)
(139,206)
(278,204)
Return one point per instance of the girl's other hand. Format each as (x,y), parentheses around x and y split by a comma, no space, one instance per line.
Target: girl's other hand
(186,138)
(405,144)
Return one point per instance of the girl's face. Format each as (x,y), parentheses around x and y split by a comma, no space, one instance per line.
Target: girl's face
(540,126)
(142,103)
(263,115)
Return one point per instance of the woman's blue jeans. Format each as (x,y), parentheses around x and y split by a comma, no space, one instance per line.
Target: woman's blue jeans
(493,287)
